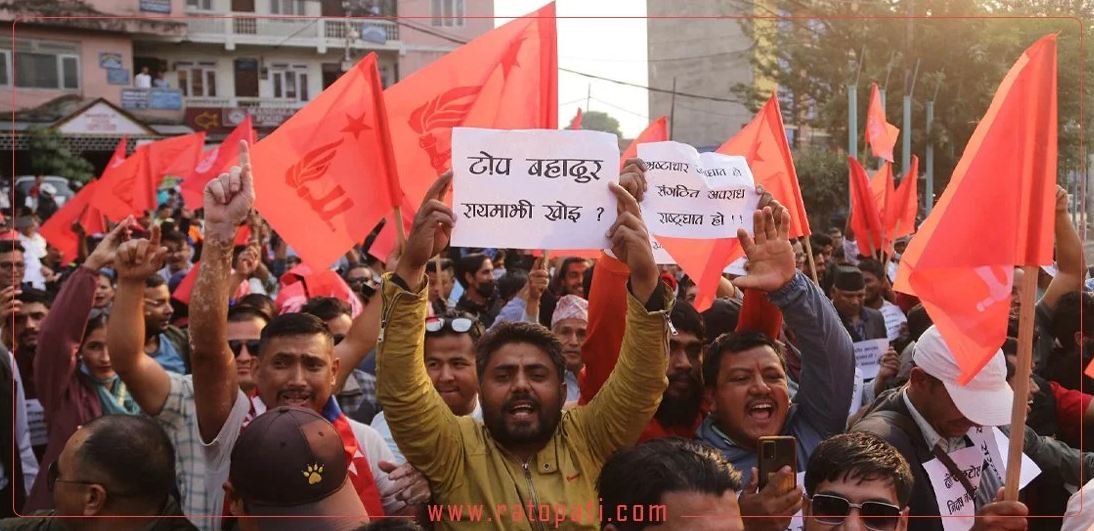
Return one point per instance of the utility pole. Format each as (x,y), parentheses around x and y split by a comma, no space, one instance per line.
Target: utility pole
(672,109)
(589,97)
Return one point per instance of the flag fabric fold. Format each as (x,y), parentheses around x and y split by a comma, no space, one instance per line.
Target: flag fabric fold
(213,161)
(960,264)
(575,122)
(880,134)
(900,218)
(866,220)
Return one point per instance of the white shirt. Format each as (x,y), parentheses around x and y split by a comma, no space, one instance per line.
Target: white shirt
(379,423)
(22,435)
(1076,519)
(218,452)
(142,80)
(573,388)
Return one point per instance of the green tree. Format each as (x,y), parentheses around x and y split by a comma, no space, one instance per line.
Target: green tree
(600,121)
(961,55)
(822,176)
(50,156)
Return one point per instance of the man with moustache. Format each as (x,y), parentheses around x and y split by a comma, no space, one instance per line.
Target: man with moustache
(528,457)
(570,324)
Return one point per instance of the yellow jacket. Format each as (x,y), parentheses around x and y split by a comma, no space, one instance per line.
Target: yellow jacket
(475,480)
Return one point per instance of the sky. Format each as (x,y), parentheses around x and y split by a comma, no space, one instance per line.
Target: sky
(613,48)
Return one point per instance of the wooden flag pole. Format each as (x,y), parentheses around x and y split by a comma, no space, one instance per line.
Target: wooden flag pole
(400,230)
(1021,382)
(809,256)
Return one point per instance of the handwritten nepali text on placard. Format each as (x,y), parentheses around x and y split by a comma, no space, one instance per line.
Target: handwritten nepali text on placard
(693,195)
(868,356)
(533,189)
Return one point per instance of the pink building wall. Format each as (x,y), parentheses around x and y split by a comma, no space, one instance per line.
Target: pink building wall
(93,82)
(423,48)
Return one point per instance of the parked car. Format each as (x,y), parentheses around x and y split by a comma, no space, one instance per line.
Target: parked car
(61,189)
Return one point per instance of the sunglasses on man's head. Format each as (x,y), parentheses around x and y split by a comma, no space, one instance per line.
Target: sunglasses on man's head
(830,509)
(237,346)
(460,325)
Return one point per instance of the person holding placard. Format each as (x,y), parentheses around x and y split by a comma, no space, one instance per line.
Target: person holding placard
(932,418)
(526,449)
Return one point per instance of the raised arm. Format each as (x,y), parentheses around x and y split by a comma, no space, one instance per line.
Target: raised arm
(228,200)
(360,339)
(62,330)
(135,261)
(629,398)
(1069,256)
(828,361)
(423,427)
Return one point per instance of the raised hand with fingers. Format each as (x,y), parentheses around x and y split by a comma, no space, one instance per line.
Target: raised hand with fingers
(633,178)
(136,260)
(631,244)
(430,234)
(9,305)
(103,255)
(229,199)
(771,263)
(538,279)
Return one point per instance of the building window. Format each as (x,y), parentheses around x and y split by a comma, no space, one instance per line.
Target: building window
(197,80)
(289,83)
(41,64)
(5,67)
(204,5)
(287,7)
(448,13)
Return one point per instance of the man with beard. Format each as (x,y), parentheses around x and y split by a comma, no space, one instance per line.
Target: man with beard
(529,460)
(877,285)
(480,295)
(746,382)
(164,342)
(22,339)
(569,324)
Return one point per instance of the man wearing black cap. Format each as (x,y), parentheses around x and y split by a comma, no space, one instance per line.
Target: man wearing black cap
(848,296)
(290,463)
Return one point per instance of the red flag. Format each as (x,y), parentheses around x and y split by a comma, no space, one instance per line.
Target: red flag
(326,176)
(900,219)
(124,189)
(506,78)
(865,219)
(92,219)
(301,283)
(884,193)
(57,230)
(174,156)
(880,134)
(657,131)
(960,265)
(186,285)
(575,123)
(763,143)
(215,160)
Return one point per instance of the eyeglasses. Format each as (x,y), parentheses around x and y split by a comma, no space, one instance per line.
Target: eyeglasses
(459,325)
(237,346)
(829,509)
(53,477)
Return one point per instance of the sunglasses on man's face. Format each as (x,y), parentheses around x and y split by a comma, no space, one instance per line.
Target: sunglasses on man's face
(237,346)
(830,509)
(460,325)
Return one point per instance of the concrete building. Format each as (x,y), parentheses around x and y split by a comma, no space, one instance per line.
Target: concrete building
(706,57)
(209,63)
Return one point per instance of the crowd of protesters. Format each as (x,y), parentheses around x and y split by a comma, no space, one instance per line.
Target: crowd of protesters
(175,376)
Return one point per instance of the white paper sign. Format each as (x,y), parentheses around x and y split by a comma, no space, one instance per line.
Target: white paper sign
(660,255)
(737,267)
(953,500)
(868,356)
(692,195)
(533,189)
(995,445)
(856,392)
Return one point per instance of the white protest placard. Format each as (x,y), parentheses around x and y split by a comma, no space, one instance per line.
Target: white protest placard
(533,189)
(856,393)
(693,195)
(660,255)
(737,267)
(953,500)
(995,445)
(868,356)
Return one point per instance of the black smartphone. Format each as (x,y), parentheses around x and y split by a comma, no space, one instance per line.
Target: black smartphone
(775,453)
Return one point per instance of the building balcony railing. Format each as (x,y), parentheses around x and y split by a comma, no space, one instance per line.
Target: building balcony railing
(321,33)
(244,102)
